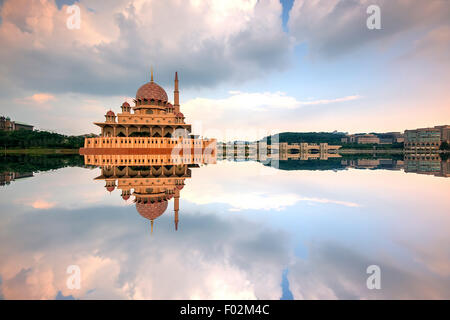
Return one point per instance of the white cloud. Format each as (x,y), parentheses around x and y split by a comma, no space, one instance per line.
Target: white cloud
(251,115)
(250,190)
(37,98)
(42,204)
(207,41)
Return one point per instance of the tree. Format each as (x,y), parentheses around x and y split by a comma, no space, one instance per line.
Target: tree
(444,146)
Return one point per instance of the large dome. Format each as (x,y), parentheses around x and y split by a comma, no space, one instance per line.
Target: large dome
(150,91)
(150,210)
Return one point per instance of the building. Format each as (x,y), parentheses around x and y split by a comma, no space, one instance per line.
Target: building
(361,138)
(146,151)
(425,140)
(152,125)
(391,137)
(7,125)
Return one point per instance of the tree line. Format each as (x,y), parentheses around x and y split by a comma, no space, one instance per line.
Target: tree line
(21,163)
(23,139)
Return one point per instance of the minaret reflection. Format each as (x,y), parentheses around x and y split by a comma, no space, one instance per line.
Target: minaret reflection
(151,187)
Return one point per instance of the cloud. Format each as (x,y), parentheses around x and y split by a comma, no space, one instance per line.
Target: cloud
(332,271)
(208,42)
(245,115)
(265,200)
(226,259)
(434,45)
(250,179)
(335,27)
(42,204)
(228,255)
(37,98)
(255,101)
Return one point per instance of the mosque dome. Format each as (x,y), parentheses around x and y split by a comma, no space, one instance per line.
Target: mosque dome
(150,210)
(110,113)
(151,91)
(125,104)
(110,188)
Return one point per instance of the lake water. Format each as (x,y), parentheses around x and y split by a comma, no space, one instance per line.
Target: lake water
(306,230)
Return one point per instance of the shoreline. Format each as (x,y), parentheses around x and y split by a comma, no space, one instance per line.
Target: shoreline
(43,151)
(370,151)
(38,151)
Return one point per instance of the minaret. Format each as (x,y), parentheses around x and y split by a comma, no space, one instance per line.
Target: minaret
(151,226)
(176,95)
(176,207)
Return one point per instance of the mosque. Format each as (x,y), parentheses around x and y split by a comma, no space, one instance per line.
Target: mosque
(153,125)
(146,151)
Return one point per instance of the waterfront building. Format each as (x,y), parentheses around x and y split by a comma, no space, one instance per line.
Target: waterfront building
(361,138)
(6,124)
(391,137)
(426,140)
(152,125)
(374,138)
(147,150)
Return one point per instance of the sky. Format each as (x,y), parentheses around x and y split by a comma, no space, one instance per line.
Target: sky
(246,68)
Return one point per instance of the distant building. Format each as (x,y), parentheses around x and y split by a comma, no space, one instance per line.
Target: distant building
(361,138)
(424,140)
(7,125)
(374,138)
(391,137)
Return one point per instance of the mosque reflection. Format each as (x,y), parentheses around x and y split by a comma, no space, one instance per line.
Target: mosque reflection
(153,180)
(150,180)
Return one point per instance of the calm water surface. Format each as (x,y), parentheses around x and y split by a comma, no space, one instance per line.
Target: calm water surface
(308,230)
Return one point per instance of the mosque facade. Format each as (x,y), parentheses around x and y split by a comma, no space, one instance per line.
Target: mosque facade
(152,125)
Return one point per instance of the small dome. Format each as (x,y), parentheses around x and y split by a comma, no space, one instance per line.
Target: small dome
(110,113)
(150,210)
(110,188)
(125,104)
(126,197)
(180,186)
(151,91)
(169,105)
